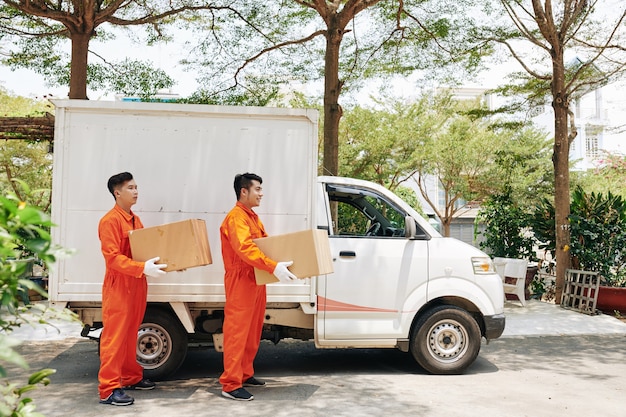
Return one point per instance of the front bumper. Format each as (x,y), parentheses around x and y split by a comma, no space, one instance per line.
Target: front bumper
(494,326)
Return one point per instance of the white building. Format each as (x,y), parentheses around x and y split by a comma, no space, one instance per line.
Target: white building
(600,118)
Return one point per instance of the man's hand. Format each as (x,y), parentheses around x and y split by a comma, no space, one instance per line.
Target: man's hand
(153,269)
(282,273)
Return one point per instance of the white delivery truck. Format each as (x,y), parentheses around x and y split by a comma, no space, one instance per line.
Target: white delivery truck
(397,283)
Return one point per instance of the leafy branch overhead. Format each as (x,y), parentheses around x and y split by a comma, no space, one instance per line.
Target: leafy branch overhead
(37,24)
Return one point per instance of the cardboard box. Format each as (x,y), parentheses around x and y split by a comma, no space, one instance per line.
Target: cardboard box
(309,250)
(180,245)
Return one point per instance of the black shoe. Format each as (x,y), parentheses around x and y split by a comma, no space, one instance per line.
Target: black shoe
(253,382)
(118,397)
(144,384)
(239,394)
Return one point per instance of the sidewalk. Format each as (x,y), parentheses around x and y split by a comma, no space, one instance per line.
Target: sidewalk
(536,319)
(545,319)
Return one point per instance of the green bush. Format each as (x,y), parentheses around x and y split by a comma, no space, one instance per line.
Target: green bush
(598,233)
(506,228)
(24,231)
(598,230)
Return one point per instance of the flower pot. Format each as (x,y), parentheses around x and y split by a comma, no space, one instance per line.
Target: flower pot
(611,299)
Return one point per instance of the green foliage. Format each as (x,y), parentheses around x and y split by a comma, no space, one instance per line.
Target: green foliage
(37,37)
(543,225)
(598,233)
(438,137)
(505,223)
(409,196)
(13,404)
(257,92)
(14,106)
(23,228)
(26,162)
(287,41)
(523,165)
(609,175)
(521,173)
(129,77)
(598,227)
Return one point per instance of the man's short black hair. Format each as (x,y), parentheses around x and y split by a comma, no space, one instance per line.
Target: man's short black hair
(245,181)
(118,179)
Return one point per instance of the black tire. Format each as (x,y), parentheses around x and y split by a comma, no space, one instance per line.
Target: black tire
(161,344)
(445,340)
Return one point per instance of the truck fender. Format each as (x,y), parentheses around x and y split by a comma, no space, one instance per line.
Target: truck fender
(451,286)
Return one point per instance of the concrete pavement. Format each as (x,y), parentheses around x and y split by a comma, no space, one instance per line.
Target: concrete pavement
(539,318)
(578,375)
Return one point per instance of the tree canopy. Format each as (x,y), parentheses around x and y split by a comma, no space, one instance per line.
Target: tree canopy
(565,48)
(436,145)
(36,28)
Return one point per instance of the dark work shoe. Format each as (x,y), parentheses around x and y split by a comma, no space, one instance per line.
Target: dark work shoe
(118,397)
(253,382)
(239,394)
(144,384)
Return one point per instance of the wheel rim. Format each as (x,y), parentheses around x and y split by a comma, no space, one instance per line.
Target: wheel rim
(154,345)
(447,341)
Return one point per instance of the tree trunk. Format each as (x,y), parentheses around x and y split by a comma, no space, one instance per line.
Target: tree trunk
(78,69)
(332,90)
(560,160)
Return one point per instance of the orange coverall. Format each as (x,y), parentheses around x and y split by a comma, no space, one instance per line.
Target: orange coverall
(245,300)
(124,294)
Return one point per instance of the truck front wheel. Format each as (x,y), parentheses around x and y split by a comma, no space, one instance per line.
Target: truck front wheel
(161,344)
(445,340)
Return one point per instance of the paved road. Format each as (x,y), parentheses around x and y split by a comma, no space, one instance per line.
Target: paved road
(516,376)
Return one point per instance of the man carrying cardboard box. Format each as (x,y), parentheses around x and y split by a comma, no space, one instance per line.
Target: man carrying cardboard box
(124,296)
(245,300)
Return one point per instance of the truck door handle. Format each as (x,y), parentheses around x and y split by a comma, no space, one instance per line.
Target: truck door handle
(349,253)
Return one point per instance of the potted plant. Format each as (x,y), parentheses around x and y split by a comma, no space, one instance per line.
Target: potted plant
(506,233)
(598,243)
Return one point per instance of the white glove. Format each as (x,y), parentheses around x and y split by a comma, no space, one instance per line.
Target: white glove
(154,270)
(282,273)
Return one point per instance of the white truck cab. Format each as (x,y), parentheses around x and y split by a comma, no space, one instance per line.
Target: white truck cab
(397,283)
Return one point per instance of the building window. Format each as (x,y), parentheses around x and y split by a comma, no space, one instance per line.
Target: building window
(592,136)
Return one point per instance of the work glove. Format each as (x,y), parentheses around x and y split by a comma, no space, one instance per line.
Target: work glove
(152,269)
(282,273)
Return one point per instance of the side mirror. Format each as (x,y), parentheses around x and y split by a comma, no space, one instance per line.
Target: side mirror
(410,229)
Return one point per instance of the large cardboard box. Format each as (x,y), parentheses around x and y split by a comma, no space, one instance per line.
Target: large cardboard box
(180,245)
(309,250)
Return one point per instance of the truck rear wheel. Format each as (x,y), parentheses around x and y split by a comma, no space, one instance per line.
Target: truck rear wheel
(445,340)
(161,344)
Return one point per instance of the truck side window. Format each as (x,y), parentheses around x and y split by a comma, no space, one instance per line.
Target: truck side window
(365,214)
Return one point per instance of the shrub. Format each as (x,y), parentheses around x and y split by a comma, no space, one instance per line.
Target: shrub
(598,230)
(23,230)
(506,228)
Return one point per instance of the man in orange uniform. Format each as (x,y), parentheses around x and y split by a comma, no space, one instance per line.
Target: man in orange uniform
(245,300)
(124,294)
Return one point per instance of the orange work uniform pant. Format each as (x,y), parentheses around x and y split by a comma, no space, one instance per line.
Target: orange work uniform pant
(123,308)
(243,324)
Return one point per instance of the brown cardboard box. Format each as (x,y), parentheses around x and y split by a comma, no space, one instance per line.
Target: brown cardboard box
(309,250)
(180,245)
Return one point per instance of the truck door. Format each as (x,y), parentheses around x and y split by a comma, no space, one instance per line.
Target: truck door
(375,267)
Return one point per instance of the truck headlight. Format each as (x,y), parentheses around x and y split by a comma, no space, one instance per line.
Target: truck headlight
(483,266)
